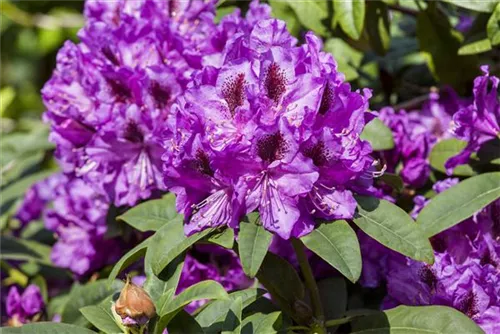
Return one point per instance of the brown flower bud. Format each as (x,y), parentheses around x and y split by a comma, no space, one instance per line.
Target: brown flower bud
(134,302)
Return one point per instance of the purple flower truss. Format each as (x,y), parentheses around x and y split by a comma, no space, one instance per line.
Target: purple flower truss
(274,129)
(478,122)
(22,308)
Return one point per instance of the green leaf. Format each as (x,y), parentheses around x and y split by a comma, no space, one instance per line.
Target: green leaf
(446,149)
(493,26)
(225,238)
(486,6)
(151,215)
(223,11)
(394,228)
(338,245)
(253,242)
(168,279)
(232,323)
(85,295)
(17,189)
(378,135)
(101,317)
(24,250)
(378,26)
(261,323)
(311,14)
(53,327)
(333,293)
(168,242)
(20,166)
(459,203)
(489,153)
(280,278)
(281,10)
(475,47)
(7,95)
(130,257)
(439,43)
(184,323)
(348,59)
(351,15)
(393,181)
(212,316)
(168,307)
(417,320)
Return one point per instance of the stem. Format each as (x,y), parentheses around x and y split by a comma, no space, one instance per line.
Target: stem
(299,248)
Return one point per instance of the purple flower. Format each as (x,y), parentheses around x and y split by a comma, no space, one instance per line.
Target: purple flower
(214,263)
(416,132)
(23,308)
(36,199)
(478,122)
(274,129)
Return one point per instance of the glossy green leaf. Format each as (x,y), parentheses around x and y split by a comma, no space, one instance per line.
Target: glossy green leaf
(392,180)
(101,317)
(486,6)
(475,47)
(224,238)
(333,294)
(184,323)
(351,15)
(338,245)
(446,149)
(129,258)
(439,43)
(416,320)
(282,10)
(489,153)
(253,242)
(378,26)
(53,327)
(378,135)
(261,323)
(157,286)
(393,227)
(280,278)
(84,295)
(7,95)
(493,26)
(17,189)
(24,250)
(459,203)
(212,316)
(151,215)
(170,241)
(232,323)
(348,59)
(311,14)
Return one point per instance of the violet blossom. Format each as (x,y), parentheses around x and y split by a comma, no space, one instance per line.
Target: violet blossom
(478,122)
(275,129)
(25,307)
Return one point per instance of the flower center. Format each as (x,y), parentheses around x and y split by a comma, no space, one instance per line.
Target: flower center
(428,277)
(106,51)
(133,133)
(234,92)
(202,163)
(468,305)
(326,99)
(160,94)
(272,147)
(275,82)
(122,92)
(319,154)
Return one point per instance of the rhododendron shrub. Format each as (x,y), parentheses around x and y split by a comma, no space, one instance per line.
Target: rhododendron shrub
(252,167)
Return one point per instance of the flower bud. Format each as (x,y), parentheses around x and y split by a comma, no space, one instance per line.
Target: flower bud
(134,305)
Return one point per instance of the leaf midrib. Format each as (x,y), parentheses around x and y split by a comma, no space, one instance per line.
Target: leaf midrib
(338,252)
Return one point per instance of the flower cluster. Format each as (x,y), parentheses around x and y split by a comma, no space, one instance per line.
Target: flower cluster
(109,96)
(25,307)
(479,121)
(464,275)
(416,132)
(274,129)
